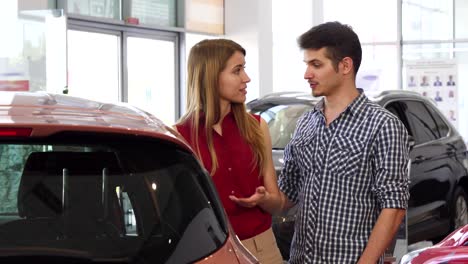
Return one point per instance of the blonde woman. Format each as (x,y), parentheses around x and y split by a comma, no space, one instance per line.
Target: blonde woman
(234,146)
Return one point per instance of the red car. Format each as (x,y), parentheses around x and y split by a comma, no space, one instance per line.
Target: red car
(89,182)
(453,249)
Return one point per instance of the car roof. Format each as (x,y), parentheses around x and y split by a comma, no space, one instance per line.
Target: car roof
(303,97)
(284,98)
(398,94)
(49,113)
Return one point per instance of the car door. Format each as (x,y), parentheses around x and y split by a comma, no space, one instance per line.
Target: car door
(430,174)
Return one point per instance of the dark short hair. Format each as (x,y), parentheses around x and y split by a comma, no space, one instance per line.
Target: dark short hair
(339,40)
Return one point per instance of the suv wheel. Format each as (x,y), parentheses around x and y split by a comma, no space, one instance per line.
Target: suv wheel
(459,207)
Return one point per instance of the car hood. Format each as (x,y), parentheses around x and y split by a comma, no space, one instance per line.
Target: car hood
(443,255)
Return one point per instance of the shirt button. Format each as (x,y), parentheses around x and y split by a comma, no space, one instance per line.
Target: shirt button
(229,169)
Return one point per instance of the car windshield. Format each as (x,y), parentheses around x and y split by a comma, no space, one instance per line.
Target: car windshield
(281,119)
(106,197)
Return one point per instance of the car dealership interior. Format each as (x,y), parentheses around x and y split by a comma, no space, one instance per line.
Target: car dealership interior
(136,51)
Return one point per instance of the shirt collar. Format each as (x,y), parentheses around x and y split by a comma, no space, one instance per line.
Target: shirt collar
(353,108)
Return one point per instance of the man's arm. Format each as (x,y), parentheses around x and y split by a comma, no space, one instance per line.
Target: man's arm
(391,187)
(382,234)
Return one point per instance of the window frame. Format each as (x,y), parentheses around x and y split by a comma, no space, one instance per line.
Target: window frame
(125,31)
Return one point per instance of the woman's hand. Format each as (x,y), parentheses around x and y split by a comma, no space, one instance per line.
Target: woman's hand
(255,199)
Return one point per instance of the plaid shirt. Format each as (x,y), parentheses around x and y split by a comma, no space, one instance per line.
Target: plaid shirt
(341,177)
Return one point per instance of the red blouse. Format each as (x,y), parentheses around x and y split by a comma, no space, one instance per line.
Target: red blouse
(234,175)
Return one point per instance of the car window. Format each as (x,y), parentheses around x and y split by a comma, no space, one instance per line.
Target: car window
(421,121)
(281,120)
(108,197)
(441,124)
(399,109)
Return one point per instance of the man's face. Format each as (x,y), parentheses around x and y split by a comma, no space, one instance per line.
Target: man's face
(322,77)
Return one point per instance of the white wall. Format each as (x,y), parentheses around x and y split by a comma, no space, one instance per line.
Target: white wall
(289,22)
(249,23)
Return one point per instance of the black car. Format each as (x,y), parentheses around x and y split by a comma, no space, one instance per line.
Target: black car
(439,160)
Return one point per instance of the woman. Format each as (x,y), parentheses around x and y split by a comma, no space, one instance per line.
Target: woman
(234,146)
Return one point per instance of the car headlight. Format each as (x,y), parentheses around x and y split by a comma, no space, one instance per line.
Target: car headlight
(407,258)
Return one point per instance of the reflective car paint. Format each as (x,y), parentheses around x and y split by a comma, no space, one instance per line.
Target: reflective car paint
(452,249)
(48,114)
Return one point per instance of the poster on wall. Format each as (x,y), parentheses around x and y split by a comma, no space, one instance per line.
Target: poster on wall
(436,79)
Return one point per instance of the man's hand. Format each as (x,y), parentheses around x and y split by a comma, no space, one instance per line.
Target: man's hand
(382,234)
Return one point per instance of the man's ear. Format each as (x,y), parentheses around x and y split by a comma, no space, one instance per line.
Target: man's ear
(347,65)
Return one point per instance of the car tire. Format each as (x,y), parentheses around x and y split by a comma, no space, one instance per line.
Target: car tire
(459,209)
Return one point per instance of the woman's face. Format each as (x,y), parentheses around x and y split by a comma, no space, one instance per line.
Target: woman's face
(233,80)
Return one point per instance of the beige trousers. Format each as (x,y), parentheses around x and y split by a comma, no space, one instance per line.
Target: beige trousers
(263,246)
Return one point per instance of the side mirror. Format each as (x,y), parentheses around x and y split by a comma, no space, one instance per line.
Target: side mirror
(411,141)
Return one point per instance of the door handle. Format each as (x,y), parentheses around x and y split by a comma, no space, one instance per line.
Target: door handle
(450,152)
(419,159)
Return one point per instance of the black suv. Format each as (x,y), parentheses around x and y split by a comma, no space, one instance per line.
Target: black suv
(439,160)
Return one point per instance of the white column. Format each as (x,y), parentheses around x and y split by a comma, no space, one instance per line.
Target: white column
(248,22)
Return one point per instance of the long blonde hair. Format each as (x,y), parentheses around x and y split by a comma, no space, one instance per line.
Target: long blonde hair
(206,61)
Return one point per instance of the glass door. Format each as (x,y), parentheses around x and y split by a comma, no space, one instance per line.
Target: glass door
(151,75)
(32,50)
(94,65)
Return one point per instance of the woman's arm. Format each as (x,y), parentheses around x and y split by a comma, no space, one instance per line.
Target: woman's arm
(268,196)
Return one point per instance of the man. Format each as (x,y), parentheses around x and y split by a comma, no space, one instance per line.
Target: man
(450,81)
(411,82)
(347,165)
(424,81)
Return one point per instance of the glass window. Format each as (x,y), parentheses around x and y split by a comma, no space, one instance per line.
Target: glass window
(94,8)
(427,51)
(461,55)
(93,65)
(128,211)
(154,12)
(379,70)
(379,67)
(281,120)
(151,76)
(32,55)
(441,125)
(421,122)
(461,19)
(425,20)
(399,109)
(377,25)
